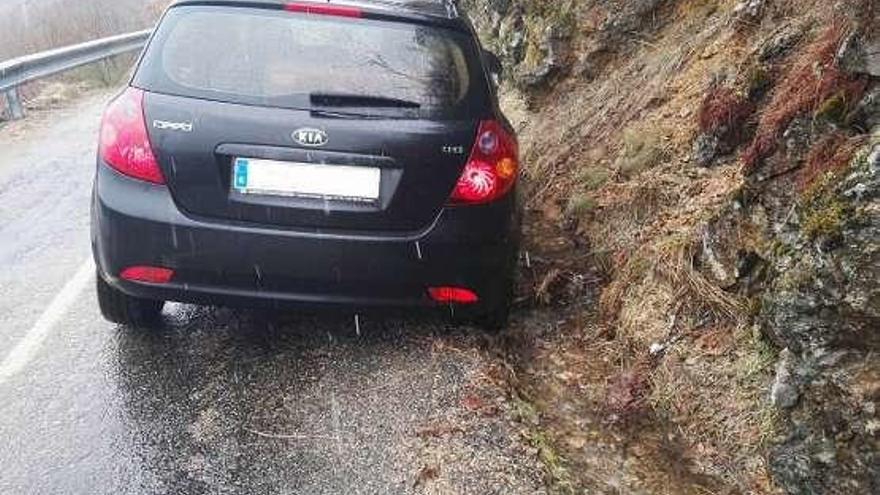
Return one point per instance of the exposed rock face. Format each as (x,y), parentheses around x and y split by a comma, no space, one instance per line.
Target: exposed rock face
(535,41)
(828,296)
(749,9)
(706,148)
(832,444)
(788,383)
(867,112)
(825,307)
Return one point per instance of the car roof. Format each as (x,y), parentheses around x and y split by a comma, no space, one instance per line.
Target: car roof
(446,9)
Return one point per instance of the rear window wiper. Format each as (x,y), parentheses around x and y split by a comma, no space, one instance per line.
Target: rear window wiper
(355,100)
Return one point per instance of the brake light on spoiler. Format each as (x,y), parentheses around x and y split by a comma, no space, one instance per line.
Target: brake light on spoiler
(323,9)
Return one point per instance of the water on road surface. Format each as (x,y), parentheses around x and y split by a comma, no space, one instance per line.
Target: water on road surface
(219,400)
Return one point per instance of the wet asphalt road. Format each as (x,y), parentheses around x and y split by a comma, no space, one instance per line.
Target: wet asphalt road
(219,400)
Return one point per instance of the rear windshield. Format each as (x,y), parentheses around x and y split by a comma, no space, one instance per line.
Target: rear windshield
(278,58)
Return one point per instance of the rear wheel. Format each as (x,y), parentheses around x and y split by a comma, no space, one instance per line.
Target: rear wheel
(123,309)
(493,318)
(496,318)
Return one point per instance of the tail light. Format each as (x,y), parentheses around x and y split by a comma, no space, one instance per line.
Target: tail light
(491,170)
(147,274)
(456,295)
(125,145)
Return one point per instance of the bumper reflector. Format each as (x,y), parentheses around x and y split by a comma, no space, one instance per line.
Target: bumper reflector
(455,295)
(147,274)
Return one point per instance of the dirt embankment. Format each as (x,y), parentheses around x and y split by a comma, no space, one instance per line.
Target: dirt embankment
(704,241)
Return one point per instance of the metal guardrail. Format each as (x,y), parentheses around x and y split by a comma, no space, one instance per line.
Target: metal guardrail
(18,71)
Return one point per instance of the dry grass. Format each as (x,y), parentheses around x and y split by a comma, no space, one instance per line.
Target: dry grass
(580,204)
(812,79)
(675,261)
(643,149)
(671,262)
(714,387)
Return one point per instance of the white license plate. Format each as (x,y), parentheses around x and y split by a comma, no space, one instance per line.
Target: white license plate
(307,180)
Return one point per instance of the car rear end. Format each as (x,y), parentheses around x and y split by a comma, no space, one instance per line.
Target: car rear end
(271,153)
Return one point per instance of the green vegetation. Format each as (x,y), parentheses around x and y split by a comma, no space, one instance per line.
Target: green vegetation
(642,150)
(558,476)
(824,220)
(833,109)
(580,204)
(591,179)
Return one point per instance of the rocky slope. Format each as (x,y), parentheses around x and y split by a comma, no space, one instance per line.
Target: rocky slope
(716,165)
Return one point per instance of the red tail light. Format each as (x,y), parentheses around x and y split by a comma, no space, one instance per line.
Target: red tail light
(125,145)
(492,168)
(456,295)
(147,274)
(323,9)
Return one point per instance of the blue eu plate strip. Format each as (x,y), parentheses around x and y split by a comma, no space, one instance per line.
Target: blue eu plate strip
(241,173)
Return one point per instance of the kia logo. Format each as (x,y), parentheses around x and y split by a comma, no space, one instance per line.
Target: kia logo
(310,137)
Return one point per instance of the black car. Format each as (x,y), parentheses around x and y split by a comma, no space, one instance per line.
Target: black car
(346,153)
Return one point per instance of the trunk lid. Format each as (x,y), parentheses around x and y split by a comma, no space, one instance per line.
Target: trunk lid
(420,161)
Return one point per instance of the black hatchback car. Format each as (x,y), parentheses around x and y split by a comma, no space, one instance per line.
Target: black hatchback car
(345,153)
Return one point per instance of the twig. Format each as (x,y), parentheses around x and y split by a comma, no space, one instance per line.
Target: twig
(779,174)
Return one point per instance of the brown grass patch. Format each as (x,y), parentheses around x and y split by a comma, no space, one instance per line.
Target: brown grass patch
(723,112)
(676,261)
(673,260)
(830,154)
(811,80)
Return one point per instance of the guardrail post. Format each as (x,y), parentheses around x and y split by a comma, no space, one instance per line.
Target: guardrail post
(13,101)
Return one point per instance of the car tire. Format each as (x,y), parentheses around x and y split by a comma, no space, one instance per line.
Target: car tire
(123,309)
(494,318)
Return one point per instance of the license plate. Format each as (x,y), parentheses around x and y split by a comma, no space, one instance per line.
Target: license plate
(306,180)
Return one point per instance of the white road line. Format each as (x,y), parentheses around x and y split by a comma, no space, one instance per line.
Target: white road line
(30,344)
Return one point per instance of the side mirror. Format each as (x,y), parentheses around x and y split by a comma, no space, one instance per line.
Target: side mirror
(493,64)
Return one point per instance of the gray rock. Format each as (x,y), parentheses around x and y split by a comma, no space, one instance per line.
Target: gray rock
(550,66)
(830,446)
(787,385)
(751,9)
(798,136)
(630,17)
(874,160)
(706,148)
(781,43)
(860,56)
(866,113)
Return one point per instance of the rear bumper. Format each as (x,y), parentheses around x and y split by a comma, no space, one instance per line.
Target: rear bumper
(224,263)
